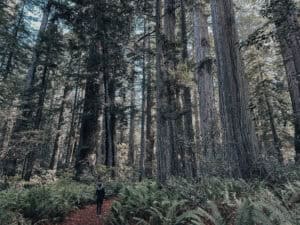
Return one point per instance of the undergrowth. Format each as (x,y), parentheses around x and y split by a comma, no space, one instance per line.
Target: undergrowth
(47,202)
(211,201)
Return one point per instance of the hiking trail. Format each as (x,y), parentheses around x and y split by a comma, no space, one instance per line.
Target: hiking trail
(87,215)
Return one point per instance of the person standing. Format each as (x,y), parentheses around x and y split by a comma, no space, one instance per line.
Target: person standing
(100,194)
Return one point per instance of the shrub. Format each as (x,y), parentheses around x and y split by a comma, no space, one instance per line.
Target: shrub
(148,204)
(213,201)
(48,202)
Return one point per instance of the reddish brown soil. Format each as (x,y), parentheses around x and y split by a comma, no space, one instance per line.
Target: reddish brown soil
(87,215)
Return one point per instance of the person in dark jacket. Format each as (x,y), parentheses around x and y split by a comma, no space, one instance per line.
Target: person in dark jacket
(100,194)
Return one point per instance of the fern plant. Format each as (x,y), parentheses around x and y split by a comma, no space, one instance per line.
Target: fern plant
(264,208)
(147,204)
(216,202)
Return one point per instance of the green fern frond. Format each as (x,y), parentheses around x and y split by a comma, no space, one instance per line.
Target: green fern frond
(189,216)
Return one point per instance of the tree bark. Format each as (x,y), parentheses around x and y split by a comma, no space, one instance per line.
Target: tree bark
(27,122)
(189,133)
(89,132)
(276,139)
(6,130)
(196,124)
(131,146)
(109,115)
(204,78)
(56,147)
(48,127)
(42,96)
(72,131)
(149,120)
(178,138)
(240,141)
(10,57)
(288,34)
(175,126)
(36,52)
(110,123)
(5,138)
(27,107)
(191,162)
(162,140)
(142,156)
(3,135)
(31,156)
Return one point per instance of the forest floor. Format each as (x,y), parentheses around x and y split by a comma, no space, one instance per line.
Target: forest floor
(87,215)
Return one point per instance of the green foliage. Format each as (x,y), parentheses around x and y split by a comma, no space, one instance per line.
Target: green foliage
(265,208)
(281,175)
(12,218)
(213,201)
(216,189)
(148,204)
(49,202)
(113,188)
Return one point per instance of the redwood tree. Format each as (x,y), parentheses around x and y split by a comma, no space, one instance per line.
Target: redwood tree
(240,141)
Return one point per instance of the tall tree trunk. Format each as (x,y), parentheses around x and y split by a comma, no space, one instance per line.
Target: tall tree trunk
(162,142)
(3,135)
(36,52)
(179,142)
(131,146)
(110,124)
(12,48)
(174,118)
(71,139)
(142,156)
(76,132)
(204,78)
(26,122)
(187,103)
(196,115)
(72,132)
(276,140)
(264,99)
(56,147)
(149,121)
(7,128)
(109,115)
(74,110)
(89,132)
(42,96)
(30,157)
(124,123)
(240,141)
(101,140)
(30,78)
(189,132)
(47,131)
(288,33)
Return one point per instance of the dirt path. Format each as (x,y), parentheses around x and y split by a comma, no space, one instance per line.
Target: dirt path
(87,215)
